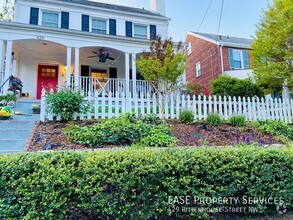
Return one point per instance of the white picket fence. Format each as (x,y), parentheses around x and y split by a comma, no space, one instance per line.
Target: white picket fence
(108,105)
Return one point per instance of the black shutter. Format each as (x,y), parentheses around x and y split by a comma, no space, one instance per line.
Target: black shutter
(34,16)
(85,23)
(128,28)
(112,26)
(153,32)
(65,20)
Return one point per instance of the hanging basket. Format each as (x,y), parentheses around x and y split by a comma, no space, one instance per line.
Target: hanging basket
(103,59)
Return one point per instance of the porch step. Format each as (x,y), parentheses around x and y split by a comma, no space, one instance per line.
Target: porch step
(14,133)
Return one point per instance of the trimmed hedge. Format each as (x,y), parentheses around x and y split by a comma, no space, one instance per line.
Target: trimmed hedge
(127,184)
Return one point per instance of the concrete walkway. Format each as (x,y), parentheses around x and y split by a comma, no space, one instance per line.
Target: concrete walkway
(15,133)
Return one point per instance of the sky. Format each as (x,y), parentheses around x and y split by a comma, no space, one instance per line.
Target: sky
(239,18)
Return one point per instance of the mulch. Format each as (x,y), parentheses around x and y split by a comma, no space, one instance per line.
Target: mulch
(49,136)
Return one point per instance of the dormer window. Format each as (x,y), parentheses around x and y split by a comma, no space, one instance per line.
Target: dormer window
(99,26)
(140,31)
(50,19)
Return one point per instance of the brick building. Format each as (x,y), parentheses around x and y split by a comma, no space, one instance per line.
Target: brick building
(210,55)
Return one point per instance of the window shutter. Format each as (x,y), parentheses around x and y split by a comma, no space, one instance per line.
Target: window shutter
(245,59)
(85,23)
(153,32)
(34,16)
(230,51)
(128,25)
(112,27)
(65,20)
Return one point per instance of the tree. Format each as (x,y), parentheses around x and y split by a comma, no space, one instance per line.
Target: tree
(7,11)
(273,47)
(162,67)
(229,86)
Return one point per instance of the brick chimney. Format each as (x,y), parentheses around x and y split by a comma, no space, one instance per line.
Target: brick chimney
(158,6)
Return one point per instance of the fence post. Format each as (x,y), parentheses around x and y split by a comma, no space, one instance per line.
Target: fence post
(177,105)
(172,105)
(148,97)
(194,107)
(240,106)
(117,99)
(142,112)
(199,108)
(110,104)
(281,110)
(215,106)
(288,111)
(155,104)
(244,108)
(210,106)
(205,107)
(96,104)
(285,110)
(225,108)
(43,105)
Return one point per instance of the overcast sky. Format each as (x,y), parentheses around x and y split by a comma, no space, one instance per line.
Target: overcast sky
(239,16)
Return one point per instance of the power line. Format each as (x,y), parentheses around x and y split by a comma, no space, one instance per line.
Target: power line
(204,15)
(220,20)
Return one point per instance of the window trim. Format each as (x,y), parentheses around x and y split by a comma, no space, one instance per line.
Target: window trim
(100,19)
(198,69)
(49,11)
(241,58)
(141,25)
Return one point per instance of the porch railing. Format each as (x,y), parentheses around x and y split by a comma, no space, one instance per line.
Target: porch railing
(97,86)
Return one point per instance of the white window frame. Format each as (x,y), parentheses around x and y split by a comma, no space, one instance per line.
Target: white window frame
(142,25)
(101,19)
(241,58)
(50,11)
(198,69)
(189,49)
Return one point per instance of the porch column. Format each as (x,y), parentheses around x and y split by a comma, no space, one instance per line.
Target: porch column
(68,64)
(127,81)
(76,68)
(8,63)
(133,60)
(2,47)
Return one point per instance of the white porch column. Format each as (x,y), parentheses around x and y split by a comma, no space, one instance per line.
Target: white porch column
(68,64)
(127,81)
(2,47)
(133,60)
(8,64)
(76,68)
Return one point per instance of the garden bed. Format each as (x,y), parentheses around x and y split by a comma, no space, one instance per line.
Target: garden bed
(49,135)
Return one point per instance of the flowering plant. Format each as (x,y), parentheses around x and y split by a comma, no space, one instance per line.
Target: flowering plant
(16,80)
(196,89)
(104,53)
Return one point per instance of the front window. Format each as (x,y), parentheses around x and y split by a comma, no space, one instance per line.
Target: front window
(99,26)
(140,31)
(50,19)
(239,59)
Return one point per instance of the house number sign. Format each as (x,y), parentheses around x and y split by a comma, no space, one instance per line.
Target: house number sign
(40,37)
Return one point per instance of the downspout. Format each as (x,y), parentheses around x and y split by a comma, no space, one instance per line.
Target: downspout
(221,54)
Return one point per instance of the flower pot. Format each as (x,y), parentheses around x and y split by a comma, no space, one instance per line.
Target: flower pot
(103,59)
(36,111)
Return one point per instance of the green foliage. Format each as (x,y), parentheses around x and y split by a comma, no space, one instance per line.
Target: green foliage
(229,86)
(277,128)
(162,67)
(158,136)
(140,184)
(125,130)
(272,49)
(151,119)
(213,119)
(65,103)
(238,120)
(8,98)
(186,117)
(7,12)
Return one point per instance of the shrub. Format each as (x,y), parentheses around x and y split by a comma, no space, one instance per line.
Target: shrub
(277,128)
(140,184)
(186,117)
(151,119)
(213,119)
(229,86)
(125,130)
(65,103)
(8,98)
(196,89)
(238,120)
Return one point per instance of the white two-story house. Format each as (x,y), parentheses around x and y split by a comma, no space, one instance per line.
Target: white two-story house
(78,43)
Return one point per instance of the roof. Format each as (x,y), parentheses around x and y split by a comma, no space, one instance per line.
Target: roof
(225,40)
(114,7)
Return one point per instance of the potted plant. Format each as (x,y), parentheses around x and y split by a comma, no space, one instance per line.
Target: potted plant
(36,109)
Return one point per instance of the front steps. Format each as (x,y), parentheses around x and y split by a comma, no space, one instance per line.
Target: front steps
(15,133)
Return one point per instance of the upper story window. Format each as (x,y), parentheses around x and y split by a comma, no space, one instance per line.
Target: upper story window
(140,31)
(189,49)
(99,26)
(50,19)
(238,59)
(197,69)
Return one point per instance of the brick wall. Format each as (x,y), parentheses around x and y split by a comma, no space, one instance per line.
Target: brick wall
(209,56)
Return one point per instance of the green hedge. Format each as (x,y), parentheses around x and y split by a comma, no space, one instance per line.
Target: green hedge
(142,184)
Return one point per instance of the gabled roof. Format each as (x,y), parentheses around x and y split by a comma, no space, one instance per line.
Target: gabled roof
(227,41)
(114,7)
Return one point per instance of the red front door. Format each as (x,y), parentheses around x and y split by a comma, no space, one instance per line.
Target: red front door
(47,78)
